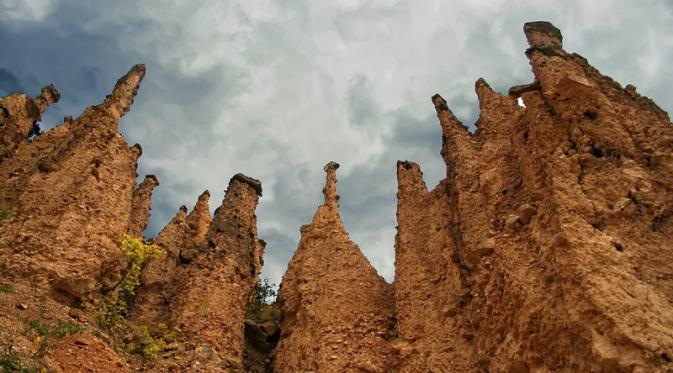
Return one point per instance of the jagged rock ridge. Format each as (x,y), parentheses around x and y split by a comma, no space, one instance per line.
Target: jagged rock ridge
(70,195)
(550,233)
(67,188)
(337,312)
(545,248)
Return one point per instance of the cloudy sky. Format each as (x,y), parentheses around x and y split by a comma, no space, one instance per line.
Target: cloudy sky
(276,89)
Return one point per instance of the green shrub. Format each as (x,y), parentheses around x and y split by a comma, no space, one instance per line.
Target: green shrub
(143,341)
(11,362)
(59,329)
(137,252)
(6,288)
(147,343)
(64,328)
(263,296)
(5,214)
(3,245)
(264,293)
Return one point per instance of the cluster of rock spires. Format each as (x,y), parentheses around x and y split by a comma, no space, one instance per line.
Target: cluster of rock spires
(547,246)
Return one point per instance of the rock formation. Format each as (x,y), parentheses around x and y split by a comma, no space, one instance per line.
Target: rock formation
(545,247)
(217,288)
(182,238)
(69,196)
(337,312)
(18,115)
(141,206)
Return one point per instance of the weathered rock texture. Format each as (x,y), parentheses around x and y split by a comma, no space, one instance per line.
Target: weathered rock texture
(547,246)
(141,206)
(182,239)
(205,281)
(337,312)
(217,288)
(71,196)
(69,193)
(18,114)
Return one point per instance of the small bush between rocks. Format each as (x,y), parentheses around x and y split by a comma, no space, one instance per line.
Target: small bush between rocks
(137,252)
(146,342)
(264,293)
(43,329)
(59,329)
(139,339)
(11,362)
(263,297)
(6,288)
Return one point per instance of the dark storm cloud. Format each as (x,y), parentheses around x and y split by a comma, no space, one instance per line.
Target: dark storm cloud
(8,83)
(278,89)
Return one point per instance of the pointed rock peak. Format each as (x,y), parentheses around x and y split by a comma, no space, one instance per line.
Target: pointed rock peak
(151,179)
(488,98)
(201,211)
(48,95)
(173,233)
(142,205)
(405,168)
(255,184)
(409,177)
(331,196)
(542,34)
(446,117)
(136,148)
(483,90)
(407,165)
(481,84)
(121,98)
(136,152)
(440,103)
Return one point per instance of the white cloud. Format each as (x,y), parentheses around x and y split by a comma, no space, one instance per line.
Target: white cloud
(277,89)
(25,11)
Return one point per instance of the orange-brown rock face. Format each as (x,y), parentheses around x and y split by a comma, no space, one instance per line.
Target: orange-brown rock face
(71,196)
(182,239)
(141,206)
(337,311)
(18,114)
(69,193)
(216,288)
(429,279)
(547,246)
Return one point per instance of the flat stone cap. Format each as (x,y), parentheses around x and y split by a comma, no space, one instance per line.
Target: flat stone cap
(440,103)
(153,178)
(253,183)
(408,165)
(542,34)
(331,165)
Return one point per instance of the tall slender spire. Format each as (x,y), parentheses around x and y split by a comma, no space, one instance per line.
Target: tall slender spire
(120,100)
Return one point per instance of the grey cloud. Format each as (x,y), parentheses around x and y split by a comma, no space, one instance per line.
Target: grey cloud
(8,83)
(362,106)
(275,90)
